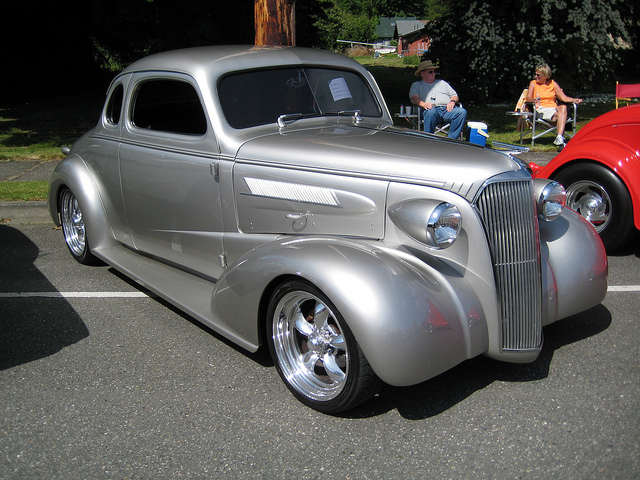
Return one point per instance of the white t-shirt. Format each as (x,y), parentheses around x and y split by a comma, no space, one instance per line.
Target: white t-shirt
(440,91)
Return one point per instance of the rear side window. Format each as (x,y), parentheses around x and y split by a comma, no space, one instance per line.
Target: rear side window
(168,105)
(114,106)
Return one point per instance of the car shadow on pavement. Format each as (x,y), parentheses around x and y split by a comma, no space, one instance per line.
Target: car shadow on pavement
(631,247)
(441,393)
(32,327)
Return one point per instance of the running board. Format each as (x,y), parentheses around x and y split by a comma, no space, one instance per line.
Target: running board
(189,293)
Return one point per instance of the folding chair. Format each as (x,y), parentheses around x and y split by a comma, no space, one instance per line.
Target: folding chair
(626,92)
(443,128)
(529,123)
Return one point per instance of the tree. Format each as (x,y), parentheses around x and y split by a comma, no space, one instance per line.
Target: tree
(490,50)
(42,42)
(628,71)
(356,20)
(340,24)
(125,30)
(275,22)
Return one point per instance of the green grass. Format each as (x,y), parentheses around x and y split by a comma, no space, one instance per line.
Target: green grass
(38,130)
(23,191)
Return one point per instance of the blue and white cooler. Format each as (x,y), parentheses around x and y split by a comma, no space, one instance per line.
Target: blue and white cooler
(478,133)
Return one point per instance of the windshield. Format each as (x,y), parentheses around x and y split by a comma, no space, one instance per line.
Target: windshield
(259,97)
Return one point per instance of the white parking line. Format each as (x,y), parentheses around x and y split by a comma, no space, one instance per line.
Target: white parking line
(76,294)
(624,288)
(612,288)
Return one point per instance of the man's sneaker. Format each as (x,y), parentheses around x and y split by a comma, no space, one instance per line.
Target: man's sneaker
(559,140)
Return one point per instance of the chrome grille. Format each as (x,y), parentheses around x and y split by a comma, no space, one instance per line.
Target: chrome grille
(508,212)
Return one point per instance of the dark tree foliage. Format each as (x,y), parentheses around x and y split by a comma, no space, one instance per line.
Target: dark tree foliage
(51,47)
(339,24)
(42,42)
(356,20)
(429,9)
(629,71)
(307,14)
(125,30)
(490,50)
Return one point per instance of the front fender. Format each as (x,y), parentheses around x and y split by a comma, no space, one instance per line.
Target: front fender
(74,174)
(411,320)
(576,265)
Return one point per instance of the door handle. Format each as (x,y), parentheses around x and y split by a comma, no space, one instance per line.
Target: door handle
(297,216)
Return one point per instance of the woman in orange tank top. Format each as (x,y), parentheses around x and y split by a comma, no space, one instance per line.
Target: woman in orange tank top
(545,93)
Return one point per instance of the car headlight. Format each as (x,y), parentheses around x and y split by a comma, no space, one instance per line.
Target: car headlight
(436,224)
(550,199)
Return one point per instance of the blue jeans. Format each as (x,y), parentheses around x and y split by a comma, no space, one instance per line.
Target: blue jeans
(437,115)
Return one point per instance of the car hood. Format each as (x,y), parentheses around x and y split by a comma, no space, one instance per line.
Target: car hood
(389,153)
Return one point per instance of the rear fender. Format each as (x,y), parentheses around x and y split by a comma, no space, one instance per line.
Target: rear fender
(73,173)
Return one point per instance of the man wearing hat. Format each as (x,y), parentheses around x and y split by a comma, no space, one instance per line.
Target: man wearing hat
(438,101)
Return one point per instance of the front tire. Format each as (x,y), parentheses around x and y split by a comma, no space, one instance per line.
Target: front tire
(600,197)
(315,352)
(74,228)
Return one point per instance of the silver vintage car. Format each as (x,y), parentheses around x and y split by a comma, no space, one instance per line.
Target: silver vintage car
(267,193)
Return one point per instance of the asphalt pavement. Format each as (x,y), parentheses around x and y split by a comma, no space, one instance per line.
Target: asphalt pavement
(20,213)
(99,380)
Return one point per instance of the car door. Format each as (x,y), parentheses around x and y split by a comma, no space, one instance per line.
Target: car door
(168,168)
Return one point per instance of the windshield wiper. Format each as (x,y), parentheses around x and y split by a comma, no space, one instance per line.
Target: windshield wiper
(293,116)
(296,116)
(357,118)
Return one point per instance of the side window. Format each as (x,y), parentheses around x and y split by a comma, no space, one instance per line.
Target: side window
(169,106)
(114,106)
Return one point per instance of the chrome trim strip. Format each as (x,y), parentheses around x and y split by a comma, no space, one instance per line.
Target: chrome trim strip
(292,191)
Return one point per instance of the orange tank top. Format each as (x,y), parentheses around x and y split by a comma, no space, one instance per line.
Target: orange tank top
(547,94)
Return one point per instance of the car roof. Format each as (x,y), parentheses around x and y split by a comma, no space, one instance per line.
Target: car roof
(224,58)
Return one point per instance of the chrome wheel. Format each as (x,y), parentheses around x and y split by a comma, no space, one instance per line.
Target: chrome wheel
(591,201)
(74,229)
(315,352)
(602,198)
(310,346)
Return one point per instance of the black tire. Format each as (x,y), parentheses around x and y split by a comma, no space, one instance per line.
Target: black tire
(315,352)
(74,228)
(599,195)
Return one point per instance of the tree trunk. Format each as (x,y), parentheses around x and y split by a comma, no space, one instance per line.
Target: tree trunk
(275,22)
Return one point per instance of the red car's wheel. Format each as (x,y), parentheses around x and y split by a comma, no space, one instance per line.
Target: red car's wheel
(597,194)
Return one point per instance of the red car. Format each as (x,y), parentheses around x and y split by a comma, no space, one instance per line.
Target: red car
(600,169)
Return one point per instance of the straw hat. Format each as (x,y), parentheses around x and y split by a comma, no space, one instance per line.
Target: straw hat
(427,64)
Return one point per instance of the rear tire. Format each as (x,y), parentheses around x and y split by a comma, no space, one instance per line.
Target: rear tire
(74,228)
(599,195)
(315,352)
